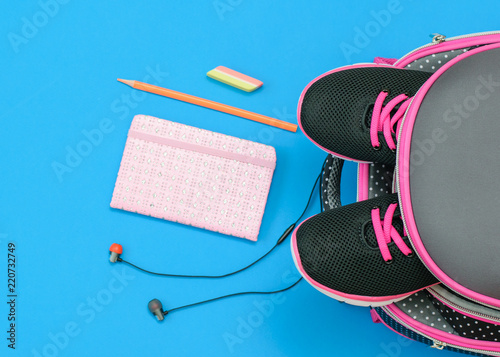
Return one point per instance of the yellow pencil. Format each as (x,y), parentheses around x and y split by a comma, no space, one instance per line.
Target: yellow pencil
(210,104)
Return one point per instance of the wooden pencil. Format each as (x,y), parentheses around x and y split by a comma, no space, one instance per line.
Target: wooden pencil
(210,104)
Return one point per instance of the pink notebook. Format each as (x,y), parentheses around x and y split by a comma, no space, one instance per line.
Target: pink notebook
(193,176)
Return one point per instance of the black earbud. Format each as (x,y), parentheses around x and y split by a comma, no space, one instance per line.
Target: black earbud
(156,309)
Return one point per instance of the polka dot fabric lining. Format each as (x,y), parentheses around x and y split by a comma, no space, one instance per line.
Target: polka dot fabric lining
(435,61)
(393,324)
(380,179)
(330,183)
(466,326)
(420,307)
(191,187)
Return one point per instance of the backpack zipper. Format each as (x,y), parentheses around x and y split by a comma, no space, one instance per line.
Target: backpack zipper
(438,344)
(438,38)
(460,308)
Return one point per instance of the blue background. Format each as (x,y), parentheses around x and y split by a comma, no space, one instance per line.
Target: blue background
(58,78)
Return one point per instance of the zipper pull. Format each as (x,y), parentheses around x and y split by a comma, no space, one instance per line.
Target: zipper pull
(438,345)
(437,38)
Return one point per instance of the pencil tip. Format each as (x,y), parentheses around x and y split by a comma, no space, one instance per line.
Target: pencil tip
(126,81)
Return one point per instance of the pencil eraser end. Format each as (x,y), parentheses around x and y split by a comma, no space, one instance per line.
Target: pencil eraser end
(234,79)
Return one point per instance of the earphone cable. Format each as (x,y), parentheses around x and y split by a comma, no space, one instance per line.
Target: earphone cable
(232,295)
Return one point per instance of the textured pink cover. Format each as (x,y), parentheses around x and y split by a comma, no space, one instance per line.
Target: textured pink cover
(193,176)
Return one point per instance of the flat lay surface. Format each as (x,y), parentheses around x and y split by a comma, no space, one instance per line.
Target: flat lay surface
(65,121)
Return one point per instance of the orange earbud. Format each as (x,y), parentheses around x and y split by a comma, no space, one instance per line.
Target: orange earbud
(115,251)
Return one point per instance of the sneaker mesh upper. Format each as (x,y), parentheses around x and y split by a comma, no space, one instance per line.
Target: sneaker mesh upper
(336,109)
(338,248)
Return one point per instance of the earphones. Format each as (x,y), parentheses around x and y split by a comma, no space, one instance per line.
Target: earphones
(155,306)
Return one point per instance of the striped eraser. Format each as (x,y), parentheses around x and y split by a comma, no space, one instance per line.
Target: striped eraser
(235,79)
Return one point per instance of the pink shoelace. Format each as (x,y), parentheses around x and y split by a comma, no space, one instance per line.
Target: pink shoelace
(385,233)
(382,121)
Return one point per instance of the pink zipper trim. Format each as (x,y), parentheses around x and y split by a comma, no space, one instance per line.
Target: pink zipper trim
(384,60)
(447,46)
(375,317)
(404,182)
(441,335)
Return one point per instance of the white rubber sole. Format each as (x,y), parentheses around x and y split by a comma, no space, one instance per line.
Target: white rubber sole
(340,298)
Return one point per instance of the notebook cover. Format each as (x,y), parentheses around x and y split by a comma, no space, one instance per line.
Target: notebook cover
(193,176)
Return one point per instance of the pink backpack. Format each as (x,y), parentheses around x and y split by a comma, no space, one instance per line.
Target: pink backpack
(463,313)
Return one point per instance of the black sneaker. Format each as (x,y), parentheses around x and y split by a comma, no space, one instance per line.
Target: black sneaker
(353,112)
(358,254)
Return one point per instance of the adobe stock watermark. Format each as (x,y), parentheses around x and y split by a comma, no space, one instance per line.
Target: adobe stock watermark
(91,139)
(454,117)
(223,6)
(263,309)
(30,27)
(363,35)
(87,312)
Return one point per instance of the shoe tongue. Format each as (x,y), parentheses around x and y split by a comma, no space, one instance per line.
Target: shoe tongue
(369,232)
